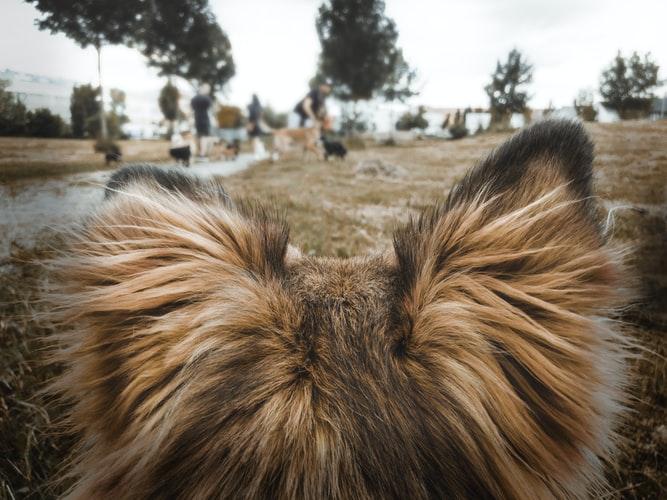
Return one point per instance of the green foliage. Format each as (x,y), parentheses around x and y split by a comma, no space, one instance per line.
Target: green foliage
(359,52)
(183,38)
(168,101)
(458,128)
(16,120)
(43,123)
(91,22)
(506,90)
(352,121)
(85,110)
(626,85)
(116,117)
(274,119)
(409,121)
(584,106)
(458,131)
(13,113)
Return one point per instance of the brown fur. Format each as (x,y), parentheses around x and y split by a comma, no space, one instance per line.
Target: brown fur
(307,137)
(207,358)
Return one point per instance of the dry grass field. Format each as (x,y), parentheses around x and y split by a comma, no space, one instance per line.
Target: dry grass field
(22,157)
(342,208)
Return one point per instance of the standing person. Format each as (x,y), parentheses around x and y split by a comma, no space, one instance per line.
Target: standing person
(312,106)
(201,104)
(255,113)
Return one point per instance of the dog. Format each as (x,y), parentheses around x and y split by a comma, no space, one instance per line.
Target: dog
(181,154)
(226,151)
(307,137)
(113,155)
(207,357)
(333,148)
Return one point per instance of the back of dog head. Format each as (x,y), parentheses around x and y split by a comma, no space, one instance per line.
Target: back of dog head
(208,358)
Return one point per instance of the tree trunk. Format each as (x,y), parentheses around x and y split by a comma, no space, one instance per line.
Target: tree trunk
(103,118)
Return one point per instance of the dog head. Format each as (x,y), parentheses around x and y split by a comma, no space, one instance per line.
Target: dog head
(208,357)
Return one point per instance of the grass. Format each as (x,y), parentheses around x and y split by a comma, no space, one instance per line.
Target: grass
(334,211)
(24,157)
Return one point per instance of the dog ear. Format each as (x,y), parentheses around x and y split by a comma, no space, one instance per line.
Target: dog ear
(502,289)
(165,276)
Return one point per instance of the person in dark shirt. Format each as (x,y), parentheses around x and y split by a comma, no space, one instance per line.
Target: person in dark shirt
(254,117)
(256,127)
(201,104)
(312,107)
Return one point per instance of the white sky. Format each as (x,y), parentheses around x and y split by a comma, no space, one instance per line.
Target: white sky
(453,44)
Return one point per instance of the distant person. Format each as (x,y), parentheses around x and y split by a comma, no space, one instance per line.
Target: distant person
(201,104)
(312,106)
(256,126)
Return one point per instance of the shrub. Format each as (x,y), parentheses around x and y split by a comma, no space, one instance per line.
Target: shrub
(229,117)
(458,131)
(13,113)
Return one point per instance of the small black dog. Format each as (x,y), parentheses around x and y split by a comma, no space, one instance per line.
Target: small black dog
(333,148)
(181,154)
(113,154)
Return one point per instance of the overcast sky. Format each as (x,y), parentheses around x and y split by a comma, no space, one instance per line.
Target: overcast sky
(453,45)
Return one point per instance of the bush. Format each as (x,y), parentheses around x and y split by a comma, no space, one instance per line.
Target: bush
(229,117)
(13,113)
(409,121)
(43,123)
(458,131)
(352,122)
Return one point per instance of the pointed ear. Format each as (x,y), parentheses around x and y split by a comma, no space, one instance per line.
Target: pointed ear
(167,270)
(503,284)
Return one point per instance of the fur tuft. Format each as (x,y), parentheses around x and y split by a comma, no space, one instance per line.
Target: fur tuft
(206,358)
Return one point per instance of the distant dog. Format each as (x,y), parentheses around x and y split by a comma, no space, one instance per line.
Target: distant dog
(113,154)
(181,154)
(475,358)
(333,148)
(226,151)
(307,137)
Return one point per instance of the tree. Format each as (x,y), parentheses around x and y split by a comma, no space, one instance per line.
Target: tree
(13,113)
(201,53)
(584,105)
(458,129)
(85,109)
(43,123)
(506,93)
(626,85)
(168,101)
(116,116)
(93,23)
(409,121)
(359,52)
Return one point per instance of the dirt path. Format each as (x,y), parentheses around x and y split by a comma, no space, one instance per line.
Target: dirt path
(29,206)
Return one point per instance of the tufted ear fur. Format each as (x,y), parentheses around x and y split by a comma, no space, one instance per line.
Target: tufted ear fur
(137,287)
(505,285)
